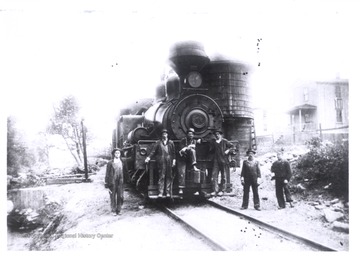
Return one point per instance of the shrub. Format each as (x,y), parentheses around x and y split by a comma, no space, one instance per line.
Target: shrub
(326,164)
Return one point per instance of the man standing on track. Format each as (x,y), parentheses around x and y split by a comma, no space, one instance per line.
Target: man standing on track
(250,176)
(114,181)
(282,170)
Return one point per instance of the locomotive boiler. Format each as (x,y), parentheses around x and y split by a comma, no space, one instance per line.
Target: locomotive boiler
(202,94)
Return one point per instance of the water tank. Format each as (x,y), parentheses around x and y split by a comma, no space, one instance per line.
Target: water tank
(227,81)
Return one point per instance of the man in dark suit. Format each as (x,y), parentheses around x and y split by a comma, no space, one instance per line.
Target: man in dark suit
(282,174)
(220,149)
(250,176)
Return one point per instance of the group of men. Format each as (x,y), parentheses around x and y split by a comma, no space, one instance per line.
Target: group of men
(165,157)
(251,175)
(164,153)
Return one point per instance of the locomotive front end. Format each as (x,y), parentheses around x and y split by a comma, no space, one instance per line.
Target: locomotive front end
(200,94)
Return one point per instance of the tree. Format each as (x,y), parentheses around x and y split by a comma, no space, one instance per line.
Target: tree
(18,155)
(66,123)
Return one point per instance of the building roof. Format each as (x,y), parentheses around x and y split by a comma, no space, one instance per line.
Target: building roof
(302,107)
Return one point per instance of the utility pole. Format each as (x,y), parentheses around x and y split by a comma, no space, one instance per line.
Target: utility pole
(321,136)
(84,145)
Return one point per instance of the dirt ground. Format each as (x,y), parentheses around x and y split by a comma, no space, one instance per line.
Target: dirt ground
(89,225)
(306,218)
(303,219)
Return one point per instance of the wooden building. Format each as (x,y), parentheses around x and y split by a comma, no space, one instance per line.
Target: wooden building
(320,105)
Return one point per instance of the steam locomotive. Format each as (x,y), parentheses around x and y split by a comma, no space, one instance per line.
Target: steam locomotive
(202,94)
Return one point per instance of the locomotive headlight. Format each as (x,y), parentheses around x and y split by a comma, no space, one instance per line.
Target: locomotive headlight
(143,151)
(194,78)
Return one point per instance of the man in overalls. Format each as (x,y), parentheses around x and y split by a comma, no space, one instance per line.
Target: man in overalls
(164,152)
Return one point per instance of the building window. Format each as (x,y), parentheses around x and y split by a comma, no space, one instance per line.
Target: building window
(306,94)
(338,109)
(307,118)
(338,104)
(339,116)
(337,92)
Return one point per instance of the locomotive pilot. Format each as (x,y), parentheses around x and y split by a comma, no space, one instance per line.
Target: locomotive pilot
(187,159)
(220,149)
(164,152)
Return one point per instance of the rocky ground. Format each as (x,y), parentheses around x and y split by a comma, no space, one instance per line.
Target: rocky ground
(316,215)
(85,214)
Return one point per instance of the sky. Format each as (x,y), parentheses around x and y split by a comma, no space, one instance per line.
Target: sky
(109,53)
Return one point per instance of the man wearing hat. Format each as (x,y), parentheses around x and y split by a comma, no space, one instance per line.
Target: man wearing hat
(114,181)
(187,157)
(220,149)
(164,152)
(187,148)
(282,174)
(250,176)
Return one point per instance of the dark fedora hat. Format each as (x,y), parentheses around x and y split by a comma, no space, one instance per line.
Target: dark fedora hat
(250,151)
(218,131)
(164,131)
(192,130)
(114,150)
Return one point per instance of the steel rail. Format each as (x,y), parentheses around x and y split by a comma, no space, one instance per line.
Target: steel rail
(271,228)
(214,245)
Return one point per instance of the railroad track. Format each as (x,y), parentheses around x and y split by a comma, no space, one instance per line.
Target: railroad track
(225,229)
